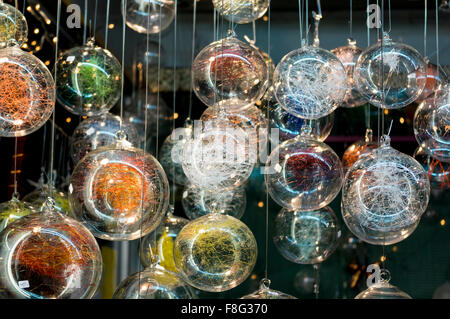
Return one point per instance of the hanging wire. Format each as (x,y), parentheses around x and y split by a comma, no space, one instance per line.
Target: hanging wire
(351,19)
(107,24)
(300,14)
(437,37)
(124,28)
(367,107)
(95,17)
(194,23)
(425,23)
(174,83)
(85,21)
(159,79)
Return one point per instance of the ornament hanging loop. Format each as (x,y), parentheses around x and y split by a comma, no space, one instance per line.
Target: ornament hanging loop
(369,135)
(12,43)
(317,17)
(264,284)
(385,275)
(231,33)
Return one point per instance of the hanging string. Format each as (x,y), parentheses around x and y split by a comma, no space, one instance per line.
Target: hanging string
(425,23)
(306,22)
(367,107)
(316,280)
(159,79)
(194,22)
(107,24)
(437,37)
(85,21)
(174,82)
(15,195)
(124,28)
(300,13)
(351,19)
(95,17)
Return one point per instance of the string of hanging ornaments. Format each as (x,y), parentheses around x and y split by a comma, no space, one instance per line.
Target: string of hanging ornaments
(257,116)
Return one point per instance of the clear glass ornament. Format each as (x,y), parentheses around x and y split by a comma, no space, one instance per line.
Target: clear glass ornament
(151,53)
(13,26)
(386,74)
(171,153)
(348,55)
(229,73)
(220,156)
(13,210)
(88,80)
(160,242)
(306,237)
(198,202)
(358,149)
(305,174)
(98,131)
(435,78)
(310,82)
(305,280)
(442,292)
(38,199)
(27,93)
(241,11)
(149,16)
(432,125)
(264,292)
(384,195)
(438,172)
(215,252)
(118,192)
(48,255)
(383,290)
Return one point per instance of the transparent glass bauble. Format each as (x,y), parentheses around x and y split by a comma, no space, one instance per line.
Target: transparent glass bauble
(432,125)
(88,80)
(149,16)
(38,199)
(358,149)
(49,255)
(387,74)
(27,93)
(304,174)
(151,53)
(119,193)
(384,195)
(264,292)
(13,26)
(215,252)
(382,290)
(241,11)
(98,131)
(438,172)
(198,202)
(442,292)
(229,73)
(13,210)
(289,126)
(348,55)
(171,154)
(306,237)
(435,78)
(161,241)
(220,156)
(305,280)
(310,82)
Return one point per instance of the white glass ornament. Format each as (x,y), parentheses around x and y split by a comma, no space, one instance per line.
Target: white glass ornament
(241,11)
(13,26)
(264,292)
(149,16)
(384,195)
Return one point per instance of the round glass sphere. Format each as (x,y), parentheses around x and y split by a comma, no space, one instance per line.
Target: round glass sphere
(438,172)
(38,199)
(98,131)
(220,156)
(88,80)
(229,73)
(382,290)
(171,154)
(310,82)
(348,55)
(435,78)
(49,255)
(358,149)
(215,252)
(304,174)
(264,292)
(13,210)
(241,11)
(27,93)
(386,74)
(13,26)
(432,125)
(149,16)
(384,195)
(150,53)
(198,202)
(160,242)
(305,280)
(306,237)
(119,193)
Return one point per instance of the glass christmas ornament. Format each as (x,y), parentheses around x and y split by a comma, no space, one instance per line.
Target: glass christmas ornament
(88,80)
(438,172)
(154,282)
(13,26)
(384,195)
(49,255)
(306,237)
(383,290)
(38,199)
(220,156)
(118,192)
(304,174)
(310,82)
(348,55)
(241,11)
(160,242)
(264,292)
(171,153)
(215,252)
(305,280)
(386,74)
(27,93)
(98,131)
(13,210)
(149,16)
(198,202)
(358,149)
(442,292)
(435,78)
(229,73)
(432,125)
